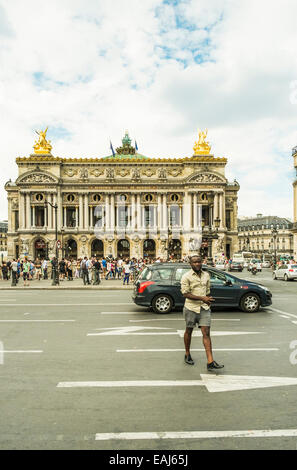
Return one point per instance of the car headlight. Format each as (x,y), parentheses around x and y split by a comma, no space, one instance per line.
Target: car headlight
(264,288)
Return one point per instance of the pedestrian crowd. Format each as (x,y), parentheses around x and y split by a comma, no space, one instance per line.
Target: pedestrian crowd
(91,270)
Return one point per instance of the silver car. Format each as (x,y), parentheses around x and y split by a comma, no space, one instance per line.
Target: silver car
(221,266)
(287,272)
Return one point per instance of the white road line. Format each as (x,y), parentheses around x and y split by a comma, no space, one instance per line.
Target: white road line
(36,321)
(196,350)
(282,312)
(60,304)
(213,383)
(195,434)
(133,383)
(125,331)
(22,352)
(123,313)
(180,319)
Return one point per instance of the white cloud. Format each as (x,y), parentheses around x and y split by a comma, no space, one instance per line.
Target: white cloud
(99,67)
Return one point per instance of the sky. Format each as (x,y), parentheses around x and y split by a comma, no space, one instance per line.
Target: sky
(90,69)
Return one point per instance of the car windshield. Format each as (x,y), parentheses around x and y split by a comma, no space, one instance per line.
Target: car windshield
(293,266)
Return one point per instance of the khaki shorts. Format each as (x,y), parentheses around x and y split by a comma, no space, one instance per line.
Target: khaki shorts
(202,319)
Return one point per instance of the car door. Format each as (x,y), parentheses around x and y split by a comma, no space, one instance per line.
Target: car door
(284,271)
(280,272)
(225,289)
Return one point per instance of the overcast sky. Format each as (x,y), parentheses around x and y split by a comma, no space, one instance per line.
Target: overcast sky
(89,69)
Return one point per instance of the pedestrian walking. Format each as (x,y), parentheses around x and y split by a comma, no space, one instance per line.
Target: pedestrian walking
(44,269)
(26,272)
(69,270)
(5,272)
(97,269)
(85,271)
(195,287)
(126,269)
(14,271)
(38,269)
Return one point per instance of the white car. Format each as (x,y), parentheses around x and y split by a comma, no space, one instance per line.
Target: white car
(286,272)
(266,264)
(220,266)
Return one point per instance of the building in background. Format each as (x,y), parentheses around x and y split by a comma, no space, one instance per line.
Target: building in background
(266,236)
(3,240)
(125,204)
(294,153)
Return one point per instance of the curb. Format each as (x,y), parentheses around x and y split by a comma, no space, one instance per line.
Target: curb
(66,288)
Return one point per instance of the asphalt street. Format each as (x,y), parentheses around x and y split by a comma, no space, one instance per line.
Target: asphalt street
(91,370)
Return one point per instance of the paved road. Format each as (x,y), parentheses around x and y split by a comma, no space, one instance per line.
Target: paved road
(59,348)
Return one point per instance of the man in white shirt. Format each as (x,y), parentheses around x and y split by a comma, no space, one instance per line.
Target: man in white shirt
(127,272)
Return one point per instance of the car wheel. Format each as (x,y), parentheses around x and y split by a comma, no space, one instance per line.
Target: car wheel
(286,278)
(162,303)
(250,303)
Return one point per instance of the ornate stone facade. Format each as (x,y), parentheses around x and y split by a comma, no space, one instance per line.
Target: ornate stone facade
(255,235)
(124,204)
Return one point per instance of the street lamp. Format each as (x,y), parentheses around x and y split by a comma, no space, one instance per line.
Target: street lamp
(274,233)
(55,264)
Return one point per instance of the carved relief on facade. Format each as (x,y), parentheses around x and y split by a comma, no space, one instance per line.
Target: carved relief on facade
(206,178)
(83,173)
(14,204)
(96,172)
(70,172)
(37,178)
(148,172)
(175,172)
(110,173)
(162,174)
(123,172)
(135,174)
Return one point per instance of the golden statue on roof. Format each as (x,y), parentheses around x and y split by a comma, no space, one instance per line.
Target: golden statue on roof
(202,147)
(42,146)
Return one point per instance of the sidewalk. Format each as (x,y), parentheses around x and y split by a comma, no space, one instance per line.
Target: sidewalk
(76,284)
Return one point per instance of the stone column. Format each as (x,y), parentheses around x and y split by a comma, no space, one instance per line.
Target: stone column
(164,213)
(91,210)
(28,211)
(159,213)
(221,209)
(60,209)
(224,210)
(86,224)
(53,211)
(33,214)
(10,216)
(107,223)
(138,210)
(112,212)
(133,212)
(76,216)
(81,212)
(195,209)
(216,205)
(155,218)
(186,211)
(21,210)
(50,212)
